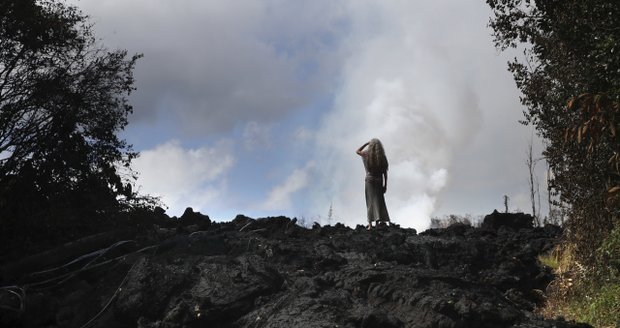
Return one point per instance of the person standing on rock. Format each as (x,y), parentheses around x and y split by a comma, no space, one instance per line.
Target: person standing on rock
(376,166)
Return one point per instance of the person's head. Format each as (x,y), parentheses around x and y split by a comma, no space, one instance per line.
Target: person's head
(376,156)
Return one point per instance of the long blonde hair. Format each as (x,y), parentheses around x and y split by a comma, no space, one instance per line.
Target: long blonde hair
(377,162)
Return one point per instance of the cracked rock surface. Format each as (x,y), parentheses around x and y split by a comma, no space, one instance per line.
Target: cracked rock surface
(271,272)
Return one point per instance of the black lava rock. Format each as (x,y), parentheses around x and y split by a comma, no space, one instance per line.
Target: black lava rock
(271,272)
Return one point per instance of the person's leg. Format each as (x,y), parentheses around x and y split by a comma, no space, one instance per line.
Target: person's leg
(369,212)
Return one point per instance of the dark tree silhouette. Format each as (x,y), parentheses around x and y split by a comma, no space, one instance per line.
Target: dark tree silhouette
(570,61)
(63,98)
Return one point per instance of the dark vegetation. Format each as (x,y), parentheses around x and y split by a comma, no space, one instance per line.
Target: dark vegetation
(448,220)
(569,76)
(64,173)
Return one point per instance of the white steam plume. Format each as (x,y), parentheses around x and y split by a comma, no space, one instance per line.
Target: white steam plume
(398,86)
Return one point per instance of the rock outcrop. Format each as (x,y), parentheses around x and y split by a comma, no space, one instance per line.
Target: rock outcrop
(273,273)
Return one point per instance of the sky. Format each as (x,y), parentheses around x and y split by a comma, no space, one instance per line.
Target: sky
(256,107)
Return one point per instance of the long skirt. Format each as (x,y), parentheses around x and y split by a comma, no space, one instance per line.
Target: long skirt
(375,202)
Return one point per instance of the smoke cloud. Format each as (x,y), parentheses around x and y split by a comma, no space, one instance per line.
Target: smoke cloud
(289,83)
(184,177)
(399,86)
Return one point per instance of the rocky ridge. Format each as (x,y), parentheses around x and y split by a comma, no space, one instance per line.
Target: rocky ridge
(271,272)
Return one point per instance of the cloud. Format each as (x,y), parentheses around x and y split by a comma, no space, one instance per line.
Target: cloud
(310,81)
(303,135)
(415,81)
(257,135)
(280,196)
(184,177)
(209,65)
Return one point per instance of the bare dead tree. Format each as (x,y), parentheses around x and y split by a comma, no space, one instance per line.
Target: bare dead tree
(530,161)
(330,214)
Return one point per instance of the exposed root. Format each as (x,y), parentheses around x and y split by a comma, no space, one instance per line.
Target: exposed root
(17,292)
(107,305)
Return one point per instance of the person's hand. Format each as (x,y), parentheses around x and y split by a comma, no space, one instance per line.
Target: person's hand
(359,150)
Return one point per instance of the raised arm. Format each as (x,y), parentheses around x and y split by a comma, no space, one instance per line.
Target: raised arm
(359,150)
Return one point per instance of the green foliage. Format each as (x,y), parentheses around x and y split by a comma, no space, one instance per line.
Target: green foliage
(570,49)
(609,252)
(591,296)
(598,305)
(569,77)
(549,260)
